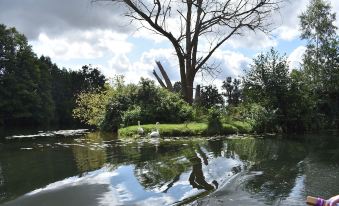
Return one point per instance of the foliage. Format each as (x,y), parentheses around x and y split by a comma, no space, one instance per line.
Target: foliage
(91,106)
(254,117)
(243,127)
(321,62)
(127,104)
(210,97)
(267,89)
(34,91)
(233,92)
(132,115)
(214,121)
(87,79)
(301,106)
(266,82)
(200,114)
(24,91)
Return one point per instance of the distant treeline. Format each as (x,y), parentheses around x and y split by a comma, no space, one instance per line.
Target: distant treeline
(34,91)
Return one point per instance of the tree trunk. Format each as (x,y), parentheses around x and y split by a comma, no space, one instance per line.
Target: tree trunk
(165,76)
(197,93)
(159,80)
(189,88)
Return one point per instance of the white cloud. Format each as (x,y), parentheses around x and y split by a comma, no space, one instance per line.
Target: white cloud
(251,40)
(230,64)
(289,26)
(62,48)
(82,45)
(295,58)
(144,66)
(287,20)
(287,33)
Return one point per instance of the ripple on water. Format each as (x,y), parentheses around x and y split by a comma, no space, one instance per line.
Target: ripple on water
(64,133)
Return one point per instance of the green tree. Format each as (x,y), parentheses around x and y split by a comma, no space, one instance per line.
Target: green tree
(321,62)
(267,80)
(233,92)
(209,97)
(34,91)
(87,79)
(301,106)
(24,89)
(267,84)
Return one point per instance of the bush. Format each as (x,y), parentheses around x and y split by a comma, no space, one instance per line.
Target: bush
(132,115)
(200,114)
(258,117)
(214,121)
(114,112)
(146,103)
(242,127)
(91,106)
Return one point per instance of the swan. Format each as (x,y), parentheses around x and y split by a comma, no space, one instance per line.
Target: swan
(140,129)
(155,134)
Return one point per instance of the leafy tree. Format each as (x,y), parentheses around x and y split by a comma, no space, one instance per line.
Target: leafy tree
(210,97)
(301,106)
(68,85)
(233,92)
(267,84)
(87,79)
(24,89)
(267,81)
(90,106)
(34,91)
(321,62)
(197,19)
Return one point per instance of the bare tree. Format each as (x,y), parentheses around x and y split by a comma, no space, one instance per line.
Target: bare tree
(185,23)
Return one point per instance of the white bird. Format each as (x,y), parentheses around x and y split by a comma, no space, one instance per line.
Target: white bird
(155,134)
(140,129)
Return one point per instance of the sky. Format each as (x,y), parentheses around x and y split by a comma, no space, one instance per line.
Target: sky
(81,32)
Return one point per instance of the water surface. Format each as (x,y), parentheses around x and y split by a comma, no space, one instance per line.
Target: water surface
(77,167)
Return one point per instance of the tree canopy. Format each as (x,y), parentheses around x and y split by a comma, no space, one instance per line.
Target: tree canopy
(34,91)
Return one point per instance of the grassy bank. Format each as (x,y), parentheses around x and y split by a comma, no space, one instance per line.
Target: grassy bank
(189,129)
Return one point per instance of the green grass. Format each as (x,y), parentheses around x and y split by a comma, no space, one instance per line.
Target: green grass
(189,129)
(243,127)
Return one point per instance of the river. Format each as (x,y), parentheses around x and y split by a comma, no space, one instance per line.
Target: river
(79,167)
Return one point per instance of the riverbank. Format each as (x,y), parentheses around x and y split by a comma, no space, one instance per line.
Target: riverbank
(187,129)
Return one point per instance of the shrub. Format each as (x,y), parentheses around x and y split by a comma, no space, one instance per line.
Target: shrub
(258,117)
(147,103)
(91,106)
(214,121)
(132,115)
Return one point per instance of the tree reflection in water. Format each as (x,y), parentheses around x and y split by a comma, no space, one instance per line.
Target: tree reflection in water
(197,178)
